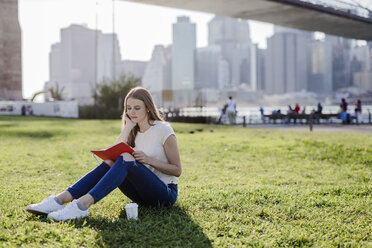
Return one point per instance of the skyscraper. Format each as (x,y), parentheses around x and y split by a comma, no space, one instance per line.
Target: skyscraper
(260,68)
(109,57)
(241,60)
(223,74)
(225,30)
(328,72)
(363,55)
(131,67)
(207,60)
(10,52)
(157,74)
(82,58)
(287,61)
(183,54)
(360,67)
(340,62)
(317,73)
(233,36)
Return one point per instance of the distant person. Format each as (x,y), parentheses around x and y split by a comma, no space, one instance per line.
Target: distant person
(262,114)
(344,115)
(358,111)
(231,110)
(297,109)
(343,105)
(303,110)
(29,110)
(275,114)
(177,111)
(319,108)
(23,110)
(222,118)
(148,177)
(318,112)
(289,112)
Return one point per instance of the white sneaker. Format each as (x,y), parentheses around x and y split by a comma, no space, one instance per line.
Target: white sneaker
(71,211)
(47,206)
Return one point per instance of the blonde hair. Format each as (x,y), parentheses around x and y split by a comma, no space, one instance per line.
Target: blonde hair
(144,95)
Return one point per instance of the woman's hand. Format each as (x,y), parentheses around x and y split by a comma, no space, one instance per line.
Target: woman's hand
(129,123)
(173,167)
(141,157)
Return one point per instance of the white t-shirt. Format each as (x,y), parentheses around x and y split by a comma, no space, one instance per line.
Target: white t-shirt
(151,142)
(231,105)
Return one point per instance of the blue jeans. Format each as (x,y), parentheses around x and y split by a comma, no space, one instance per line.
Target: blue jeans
(134,179)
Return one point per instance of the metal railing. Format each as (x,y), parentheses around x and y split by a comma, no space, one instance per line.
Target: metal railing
(354,9)
(361,8)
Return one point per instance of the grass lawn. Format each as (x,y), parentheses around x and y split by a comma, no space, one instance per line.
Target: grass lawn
(240,187)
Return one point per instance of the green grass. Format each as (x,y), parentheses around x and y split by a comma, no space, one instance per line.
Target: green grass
(240,187)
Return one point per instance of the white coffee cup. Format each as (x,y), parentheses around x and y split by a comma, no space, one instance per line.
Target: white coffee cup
(132,211)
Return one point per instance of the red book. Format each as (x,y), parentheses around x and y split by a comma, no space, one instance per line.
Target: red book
(113,152)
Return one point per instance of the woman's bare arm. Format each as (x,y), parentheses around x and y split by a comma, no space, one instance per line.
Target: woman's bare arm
(172,168)
(123,137)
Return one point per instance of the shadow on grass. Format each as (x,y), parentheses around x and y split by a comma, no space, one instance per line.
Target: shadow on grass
(155,227)
(29,134)
(5,125)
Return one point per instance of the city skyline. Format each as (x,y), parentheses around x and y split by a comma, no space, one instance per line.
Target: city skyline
(41,22)
(230,65)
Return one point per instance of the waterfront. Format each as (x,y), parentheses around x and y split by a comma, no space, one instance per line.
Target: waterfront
(253,116)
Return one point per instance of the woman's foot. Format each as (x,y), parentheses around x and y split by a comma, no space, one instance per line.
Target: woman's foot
(75,210)
(48,205)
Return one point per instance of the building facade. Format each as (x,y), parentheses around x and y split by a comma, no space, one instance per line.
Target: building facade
(287,61)
(81,59)
(207,61)
(233,37)
(183,54)
(157,74)
(131,67)
(10,52)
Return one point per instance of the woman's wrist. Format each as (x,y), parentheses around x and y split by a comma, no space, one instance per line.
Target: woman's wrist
(150,161)
(129,124)
(125,134)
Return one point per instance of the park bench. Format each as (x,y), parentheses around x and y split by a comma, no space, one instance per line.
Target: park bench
(191,119)
(301,118)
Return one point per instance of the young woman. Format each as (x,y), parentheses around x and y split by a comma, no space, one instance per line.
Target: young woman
(149,177)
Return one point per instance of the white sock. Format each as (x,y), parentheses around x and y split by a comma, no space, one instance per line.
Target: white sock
(58,200)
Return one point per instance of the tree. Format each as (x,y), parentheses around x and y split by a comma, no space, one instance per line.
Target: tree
(58,92)
(111,94)
(108,98)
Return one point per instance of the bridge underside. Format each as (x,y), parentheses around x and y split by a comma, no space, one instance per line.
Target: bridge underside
(279,13)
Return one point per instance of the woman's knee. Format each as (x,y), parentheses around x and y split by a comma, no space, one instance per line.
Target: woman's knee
(109,162)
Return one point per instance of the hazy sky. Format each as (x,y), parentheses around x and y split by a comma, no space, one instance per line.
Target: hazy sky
(139,28)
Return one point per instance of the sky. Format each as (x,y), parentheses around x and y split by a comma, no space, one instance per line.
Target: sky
(139,27)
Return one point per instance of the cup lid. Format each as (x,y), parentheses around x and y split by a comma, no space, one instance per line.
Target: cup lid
(131,205)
